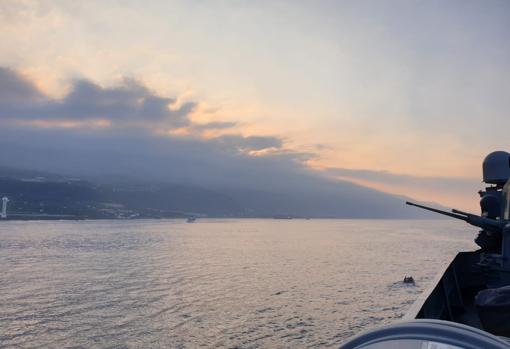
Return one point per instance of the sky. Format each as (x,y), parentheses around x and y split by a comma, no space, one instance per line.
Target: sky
(404,96)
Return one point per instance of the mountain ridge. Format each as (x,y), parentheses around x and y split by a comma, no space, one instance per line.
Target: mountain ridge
(39,194)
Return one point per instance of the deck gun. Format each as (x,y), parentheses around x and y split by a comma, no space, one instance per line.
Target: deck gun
(495,199)
(489,224)
(494,238)
(495,259)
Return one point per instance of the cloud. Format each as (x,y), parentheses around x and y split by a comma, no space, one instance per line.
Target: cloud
(249,143)
(257,170)
(448,190)
(129,102)
(385,177)
(215,125)
(15,89)
(114,130)
(276,184)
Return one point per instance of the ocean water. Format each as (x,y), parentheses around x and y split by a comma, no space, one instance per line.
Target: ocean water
(213,283)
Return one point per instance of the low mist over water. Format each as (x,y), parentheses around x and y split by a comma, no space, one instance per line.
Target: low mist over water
(213,283)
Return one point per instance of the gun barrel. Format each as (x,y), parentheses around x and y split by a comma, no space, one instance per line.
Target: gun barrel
(462,212)
(449,214)
(478,221)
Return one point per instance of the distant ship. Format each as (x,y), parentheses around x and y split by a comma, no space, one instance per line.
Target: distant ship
(282,217)
(468,305)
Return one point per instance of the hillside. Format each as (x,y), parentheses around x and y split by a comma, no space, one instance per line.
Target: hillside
(35,194)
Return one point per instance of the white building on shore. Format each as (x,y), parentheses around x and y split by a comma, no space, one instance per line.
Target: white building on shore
(3,214)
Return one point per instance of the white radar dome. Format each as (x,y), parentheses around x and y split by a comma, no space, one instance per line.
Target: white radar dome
(496,167)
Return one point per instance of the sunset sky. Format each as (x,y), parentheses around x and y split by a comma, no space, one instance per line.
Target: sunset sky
(405,96)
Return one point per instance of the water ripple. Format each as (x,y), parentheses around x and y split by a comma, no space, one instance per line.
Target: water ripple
(214,284)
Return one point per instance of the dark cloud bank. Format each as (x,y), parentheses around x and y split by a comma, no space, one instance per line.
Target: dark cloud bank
(451,185)
(130,149)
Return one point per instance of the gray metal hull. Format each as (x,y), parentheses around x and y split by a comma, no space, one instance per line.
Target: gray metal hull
(451,296)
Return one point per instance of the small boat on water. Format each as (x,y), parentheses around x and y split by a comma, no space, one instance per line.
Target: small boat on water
(468,305)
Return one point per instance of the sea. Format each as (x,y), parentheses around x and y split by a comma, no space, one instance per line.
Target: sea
(214,283)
